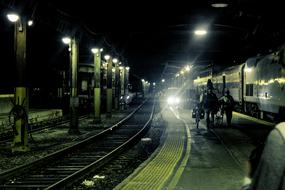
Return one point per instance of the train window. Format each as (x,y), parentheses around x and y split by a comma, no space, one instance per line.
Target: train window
(249,90)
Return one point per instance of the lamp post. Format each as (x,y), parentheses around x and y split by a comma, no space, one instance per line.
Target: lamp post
(74,100)
(109,85)
(20,141)
(97,84)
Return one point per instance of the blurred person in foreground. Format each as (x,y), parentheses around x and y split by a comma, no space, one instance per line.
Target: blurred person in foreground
(269,173)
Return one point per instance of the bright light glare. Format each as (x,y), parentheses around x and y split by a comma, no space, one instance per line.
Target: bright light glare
(173,100)
(163,80)
(66,40)
(115,60)
(101,49)
(153,84)
(142,80)
(13,17)
(107,57)
(219,5)
(200,32)
(30,23)
(187,68)
(94,50)
(127,68)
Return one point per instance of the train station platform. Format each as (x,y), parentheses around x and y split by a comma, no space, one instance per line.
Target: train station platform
(190,158)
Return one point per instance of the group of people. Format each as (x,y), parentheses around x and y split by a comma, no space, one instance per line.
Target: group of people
(211,104)
(267,167)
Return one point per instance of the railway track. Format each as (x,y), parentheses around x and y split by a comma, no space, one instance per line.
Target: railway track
(62,168)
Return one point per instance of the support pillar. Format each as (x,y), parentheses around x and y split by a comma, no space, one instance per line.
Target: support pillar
(109,88)
(117,86)
(122,81)
(74,100)
(97,87)
(20,141)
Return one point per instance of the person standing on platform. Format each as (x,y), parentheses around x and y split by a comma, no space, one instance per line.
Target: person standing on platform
(228,106)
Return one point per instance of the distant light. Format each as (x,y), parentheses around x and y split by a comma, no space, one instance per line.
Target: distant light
(163,80)
(127,68)
(66,40)
(107,57)
(200,32)
(187,68)
(113,70)
(69,49)
(219,5)
(182,72)
(115,60)
(101,49)
(30,23)
(177,75)
(142,80)
(12,17)
(121,67)
(153,84)
(94,50)
(120,63)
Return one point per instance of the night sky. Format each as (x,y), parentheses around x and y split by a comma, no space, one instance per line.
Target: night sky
(144,35)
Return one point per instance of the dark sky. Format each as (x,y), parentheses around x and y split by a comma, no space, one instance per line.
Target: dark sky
(145,35)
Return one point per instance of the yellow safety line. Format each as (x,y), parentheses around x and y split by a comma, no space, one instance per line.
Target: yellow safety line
(158,171)
(254,119)
(181,168)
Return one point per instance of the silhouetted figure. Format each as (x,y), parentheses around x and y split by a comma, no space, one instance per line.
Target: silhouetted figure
(270,171)
(210,85)
(228,105)
(209,101)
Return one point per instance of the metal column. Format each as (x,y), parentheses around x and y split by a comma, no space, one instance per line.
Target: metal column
(122,81)
(20,141)
(74,100)
(117,86)
(97,87)
(109,88)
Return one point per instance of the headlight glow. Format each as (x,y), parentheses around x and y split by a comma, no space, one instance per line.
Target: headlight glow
(173,100)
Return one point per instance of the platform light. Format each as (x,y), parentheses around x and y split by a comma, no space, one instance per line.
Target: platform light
(127,68)
(107,57)
(187,68)
(30,23)
(200,32)
(121,67)
(94,50)
(142,80)
(115,60)
(13,17)
(66,40)
(163,80)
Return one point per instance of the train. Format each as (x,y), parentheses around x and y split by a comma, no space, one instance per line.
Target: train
(257,86)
